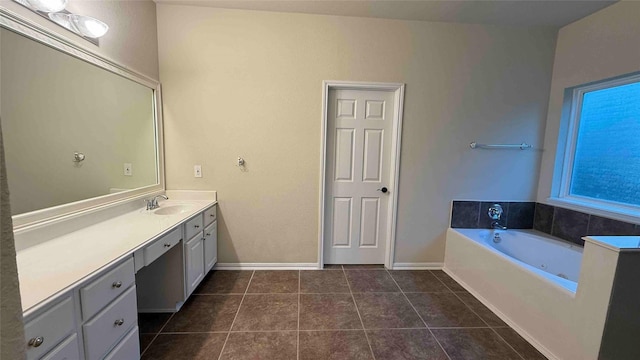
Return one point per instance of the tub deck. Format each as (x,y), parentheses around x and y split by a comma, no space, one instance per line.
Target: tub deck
(560,323)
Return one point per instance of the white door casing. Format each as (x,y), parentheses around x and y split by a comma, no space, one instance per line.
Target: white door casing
(360,157)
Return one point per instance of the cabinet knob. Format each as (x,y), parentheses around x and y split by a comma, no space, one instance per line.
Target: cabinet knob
(167,245)
(119,322)
(36,341)
(211,215)
(117,284)
(197,226)
(208,234)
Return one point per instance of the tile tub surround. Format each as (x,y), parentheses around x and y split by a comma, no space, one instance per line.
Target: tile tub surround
(473,214)
(562,223)
(572,225)
(344,313)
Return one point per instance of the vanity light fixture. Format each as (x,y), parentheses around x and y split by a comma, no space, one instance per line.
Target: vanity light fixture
(46,6)
(88,26)
(81,24)
(85,26)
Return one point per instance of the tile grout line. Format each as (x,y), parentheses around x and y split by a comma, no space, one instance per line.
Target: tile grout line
(506,342)
(373,356)
(224,332)
(553,220)
(455,293)
(317,330)
(417,313)
(298,332)
(236,316)
(156,335)
(481,318)
(332,293)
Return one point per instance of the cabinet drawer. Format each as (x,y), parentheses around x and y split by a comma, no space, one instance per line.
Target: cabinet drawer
(100,292)
(128,348)
(210,215)
(104,330)
(68,350)
(193,227)
(161,246)
(45,331)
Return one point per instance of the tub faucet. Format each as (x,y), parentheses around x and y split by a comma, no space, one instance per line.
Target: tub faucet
(496,225)
(153,202)
(495,212)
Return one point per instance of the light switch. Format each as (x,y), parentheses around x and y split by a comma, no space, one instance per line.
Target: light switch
(128,169)
(197,171)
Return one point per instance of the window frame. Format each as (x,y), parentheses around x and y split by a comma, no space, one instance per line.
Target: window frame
(566,151)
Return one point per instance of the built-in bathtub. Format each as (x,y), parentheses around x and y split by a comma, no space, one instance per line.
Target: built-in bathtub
(555,294)
(547,257)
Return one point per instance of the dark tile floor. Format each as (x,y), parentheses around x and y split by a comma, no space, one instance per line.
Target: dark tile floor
(343,312)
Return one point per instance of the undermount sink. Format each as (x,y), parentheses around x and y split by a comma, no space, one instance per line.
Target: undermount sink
(172,210)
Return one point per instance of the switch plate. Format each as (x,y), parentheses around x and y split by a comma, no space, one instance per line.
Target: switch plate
(197,171)
(128,169)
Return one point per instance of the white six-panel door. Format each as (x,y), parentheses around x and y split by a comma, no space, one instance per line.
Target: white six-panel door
(359,127)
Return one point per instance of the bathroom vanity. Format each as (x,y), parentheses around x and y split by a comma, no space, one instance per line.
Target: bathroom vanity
(89,255)
(81,291)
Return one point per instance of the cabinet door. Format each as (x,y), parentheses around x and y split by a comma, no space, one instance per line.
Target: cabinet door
(49,328)
(195,262)
(210,246)
(68,350)
(128,348)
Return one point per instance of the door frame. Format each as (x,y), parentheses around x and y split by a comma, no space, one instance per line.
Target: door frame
(396,142)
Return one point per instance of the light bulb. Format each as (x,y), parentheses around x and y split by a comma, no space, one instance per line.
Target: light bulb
(47,6)
(88,26)
(62,19)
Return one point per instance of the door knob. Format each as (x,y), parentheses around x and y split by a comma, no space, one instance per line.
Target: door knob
(383,189)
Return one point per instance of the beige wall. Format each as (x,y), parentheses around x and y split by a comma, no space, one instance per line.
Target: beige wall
(132,37)
(53,105)
(603,45)
(249,83)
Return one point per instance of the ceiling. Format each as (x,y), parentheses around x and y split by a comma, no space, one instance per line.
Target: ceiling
(556,13)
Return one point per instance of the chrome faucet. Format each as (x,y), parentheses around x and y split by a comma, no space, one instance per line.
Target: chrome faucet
(496,225)
(495,212)
(153,202)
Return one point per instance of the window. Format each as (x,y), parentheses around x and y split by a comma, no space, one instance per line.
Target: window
(601,164)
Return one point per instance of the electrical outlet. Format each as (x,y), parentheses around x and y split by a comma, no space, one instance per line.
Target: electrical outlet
(128,169)
(197,171)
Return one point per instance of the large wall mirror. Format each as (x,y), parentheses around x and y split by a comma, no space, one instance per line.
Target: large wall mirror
(79,131)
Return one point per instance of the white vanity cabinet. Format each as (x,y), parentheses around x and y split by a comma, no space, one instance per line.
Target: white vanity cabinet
(194,262)
(201,249)
(67,350)
(88,322)
(50,327)
(210,246)
(96,317)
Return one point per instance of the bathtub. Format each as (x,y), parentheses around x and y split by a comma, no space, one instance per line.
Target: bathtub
(551,259)
(553,293)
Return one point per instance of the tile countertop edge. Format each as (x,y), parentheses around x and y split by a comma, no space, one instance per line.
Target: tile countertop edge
(615,243)
(31,304)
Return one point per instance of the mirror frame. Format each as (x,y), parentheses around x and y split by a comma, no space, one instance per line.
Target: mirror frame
(14,22)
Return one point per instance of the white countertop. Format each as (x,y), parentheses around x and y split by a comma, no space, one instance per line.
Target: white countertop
(615,243)
(47,269)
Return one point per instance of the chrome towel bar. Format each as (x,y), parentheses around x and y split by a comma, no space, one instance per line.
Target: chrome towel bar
(523,146)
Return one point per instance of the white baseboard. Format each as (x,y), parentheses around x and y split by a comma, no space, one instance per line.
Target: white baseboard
(418,266)
(504,317)
(266,266)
